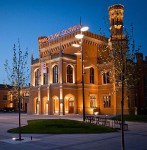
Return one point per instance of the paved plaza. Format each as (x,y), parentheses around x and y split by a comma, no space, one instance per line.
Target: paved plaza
(135,137)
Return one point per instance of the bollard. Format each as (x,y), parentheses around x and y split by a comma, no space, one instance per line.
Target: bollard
(31,138)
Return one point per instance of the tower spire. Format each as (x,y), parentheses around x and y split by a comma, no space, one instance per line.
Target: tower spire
(116,14)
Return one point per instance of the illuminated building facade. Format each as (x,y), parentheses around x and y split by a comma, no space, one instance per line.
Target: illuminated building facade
(5,97)
(8,98)
(56,76)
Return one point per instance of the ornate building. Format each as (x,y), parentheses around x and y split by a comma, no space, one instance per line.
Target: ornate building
(56,75)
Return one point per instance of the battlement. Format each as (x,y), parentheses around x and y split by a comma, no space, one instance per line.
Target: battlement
(116,6)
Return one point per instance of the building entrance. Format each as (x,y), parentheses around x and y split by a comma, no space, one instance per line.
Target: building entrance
(71,107)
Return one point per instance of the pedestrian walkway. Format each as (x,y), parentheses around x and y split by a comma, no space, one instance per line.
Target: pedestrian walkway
(135,137)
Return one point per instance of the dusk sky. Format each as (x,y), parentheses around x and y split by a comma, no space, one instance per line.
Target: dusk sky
(26,20)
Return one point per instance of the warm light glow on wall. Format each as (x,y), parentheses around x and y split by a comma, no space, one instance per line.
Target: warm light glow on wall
(61,108)
(46,110)
(61,94)
(37,107)
(56,104)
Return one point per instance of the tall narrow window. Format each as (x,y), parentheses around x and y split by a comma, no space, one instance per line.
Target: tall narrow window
(55,74)
(91,75)
(106,78)
(107,101)
(112,21)
(69,74)
(45,77)
(37,77)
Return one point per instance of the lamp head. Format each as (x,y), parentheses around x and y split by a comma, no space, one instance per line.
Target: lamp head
(83,29)
(79,36)
(77,53)
(76,45)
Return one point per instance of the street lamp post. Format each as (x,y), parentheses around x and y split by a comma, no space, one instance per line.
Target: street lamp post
(83,91)
(19,111)
(80,37)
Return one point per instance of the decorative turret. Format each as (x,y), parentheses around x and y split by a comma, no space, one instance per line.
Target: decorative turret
(116,14)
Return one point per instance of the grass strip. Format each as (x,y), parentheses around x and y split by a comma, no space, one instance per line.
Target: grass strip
(61,126)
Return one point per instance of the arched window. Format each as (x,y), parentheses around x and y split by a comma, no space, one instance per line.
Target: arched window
(69,74)
(106,78)
(45,77)
(37,77)
(91,75)
(55,74)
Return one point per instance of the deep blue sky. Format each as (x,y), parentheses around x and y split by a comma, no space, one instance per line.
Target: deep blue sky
(29,19)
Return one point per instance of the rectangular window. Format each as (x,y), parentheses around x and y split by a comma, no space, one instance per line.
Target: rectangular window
(45,78)
(92,101)
(107,101)
(106,78)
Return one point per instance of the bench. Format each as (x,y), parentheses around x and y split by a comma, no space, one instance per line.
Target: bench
(97,120)
(90,119)
(102,121)
(117,124)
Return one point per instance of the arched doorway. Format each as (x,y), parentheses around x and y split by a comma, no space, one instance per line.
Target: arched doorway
(71,107)
(69,102)
(55,105)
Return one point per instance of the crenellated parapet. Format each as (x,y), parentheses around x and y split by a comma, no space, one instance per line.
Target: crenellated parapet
(47,47)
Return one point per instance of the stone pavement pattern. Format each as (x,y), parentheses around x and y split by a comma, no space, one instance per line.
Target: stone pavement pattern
(135,137)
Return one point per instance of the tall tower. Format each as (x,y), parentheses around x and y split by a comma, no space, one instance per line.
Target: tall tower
(116,14)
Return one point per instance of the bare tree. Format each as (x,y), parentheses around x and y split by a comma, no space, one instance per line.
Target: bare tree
(119,59)
(17,74)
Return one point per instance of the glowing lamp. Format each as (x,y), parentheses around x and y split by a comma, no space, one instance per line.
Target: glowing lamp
(75,45)
(79,36)
(83,29)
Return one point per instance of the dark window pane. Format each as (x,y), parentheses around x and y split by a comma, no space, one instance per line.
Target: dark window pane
(91,75)
(55,74)
(69,74)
